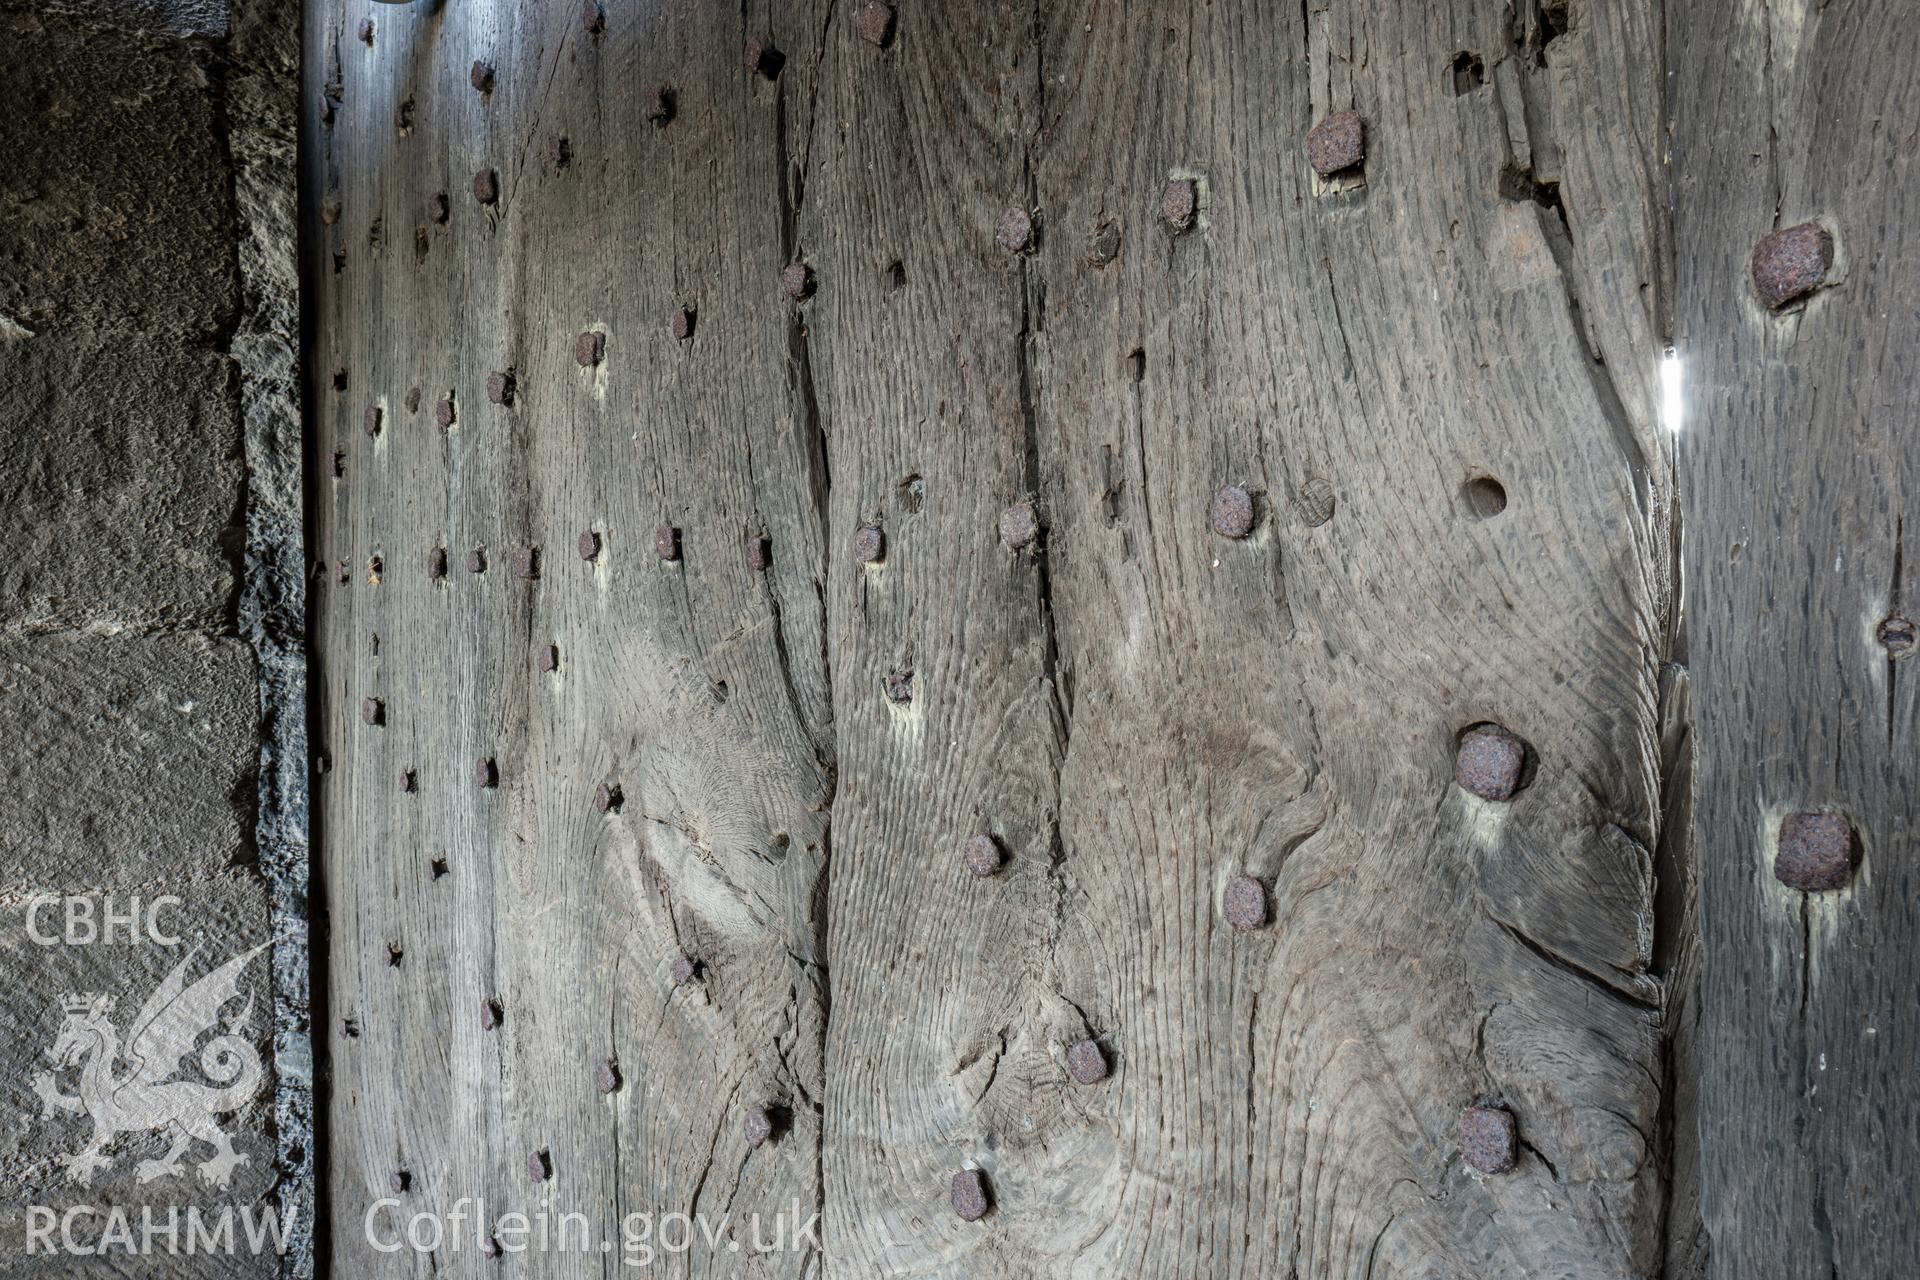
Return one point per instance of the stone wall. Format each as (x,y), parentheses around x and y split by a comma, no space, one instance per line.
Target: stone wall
(152,694)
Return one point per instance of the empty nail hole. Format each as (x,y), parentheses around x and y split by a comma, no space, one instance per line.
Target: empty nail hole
(896,275)
(1469,72)
(720,694)
(1137,363)
(439,867)
(1486,497)
(912,492)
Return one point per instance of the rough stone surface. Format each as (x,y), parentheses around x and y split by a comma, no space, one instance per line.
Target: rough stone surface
(152,675)
(125,224)
(155,17)
(120,480)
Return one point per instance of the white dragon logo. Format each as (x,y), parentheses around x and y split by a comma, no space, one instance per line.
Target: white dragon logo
(131,1088)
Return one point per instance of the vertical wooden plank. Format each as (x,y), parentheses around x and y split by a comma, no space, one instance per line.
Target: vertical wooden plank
(1798,474)
(1284,706)
(696,687)
(1134,708)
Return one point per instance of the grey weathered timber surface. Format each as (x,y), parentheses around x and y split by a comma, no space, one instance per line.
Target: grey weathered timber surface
(151,594)
(1799,461)
(1136,709)
(699,688)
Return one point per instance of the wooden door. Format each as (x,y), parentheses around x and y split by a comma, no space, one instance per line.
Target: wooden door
(920,615)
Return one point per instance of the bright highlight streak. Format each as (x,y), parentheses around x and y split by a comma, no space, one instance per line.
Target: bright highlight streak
(1673,400)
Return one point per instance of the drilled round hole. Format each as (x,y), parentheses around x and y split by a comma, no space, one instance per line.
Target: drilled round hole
(1486,497)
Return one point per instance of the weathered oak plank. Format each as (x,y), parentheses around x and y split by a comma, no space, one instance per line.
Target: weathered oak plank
(1437,384)
(1799,472)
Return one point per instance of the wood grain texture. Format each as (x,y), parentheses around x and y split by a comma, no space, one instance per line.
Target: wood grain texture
(1799,469)
(699,687)
(1137,709)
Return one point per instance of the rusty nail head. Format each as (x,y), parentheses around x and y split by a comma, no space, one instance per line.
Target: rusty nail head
(1086,1063)
(485,772)
(437,207)
(398,1181)
(608,798)
(1232,511)
(491,1014)
(758,1126)
(1245,904)
(1792,263)
(969,1195)
(1488,1139)
(338,377)
(481,77)
(1019,526)
(875,23)
(329,212)
(539,1165)
(477,560)
(526,563)
(437,563)
(982,855)
(1815,852)
(490,1247)
(593,17)
(900,687)
(366,31)
(869,544)
(409,780)
(500,387)
(373,711)
(797,280)
(1178,203)
(588,545)
(759,554)
(685,969)
(370,420)
(660,105)
(1014,232)
(1897,636)
(1337,143)
(547,657)
(762,58)
(683,323)
(666,544)
(486,186)
(588,348)
(1490,762)
(606,1076)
